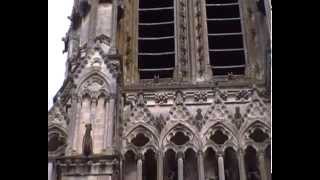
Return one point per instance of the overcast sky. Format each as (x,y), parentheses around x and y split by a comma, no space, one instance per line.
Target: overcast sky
(58,24)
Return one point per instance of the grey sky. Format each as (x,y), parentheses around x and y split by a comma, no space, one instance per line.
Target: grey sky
(58,24)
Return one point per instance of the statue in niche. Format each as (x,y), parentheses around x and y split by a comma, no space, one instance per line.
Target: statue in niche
(87,141)
(179,98)
(140,100)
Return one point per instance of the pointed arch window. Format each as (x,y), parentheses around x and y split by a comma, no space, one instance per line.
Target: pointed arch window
(225,37)
(156,39)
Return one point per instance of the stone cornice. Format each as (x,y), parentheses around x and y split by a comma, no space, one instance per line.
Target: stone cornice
(189,85)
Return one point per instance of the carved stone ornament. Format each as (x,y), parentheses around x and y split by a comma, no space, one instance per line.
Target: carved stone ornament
(113,67)
(200,96)
(179,98)
(199,119)
(237,119)
(94,87)
(179,111)
(57,117)
(161,97)
(158,122)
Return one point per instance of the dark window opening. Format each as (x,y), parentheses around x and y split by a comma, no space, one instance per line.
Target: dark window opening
(161,30)
(156,16)
(261,7)
(228,58)
(105,1)
(179,138)
(153,74)
(170,166)
(55,142)
(140,140)
(220,1)
(226,48)
(225,71)
(84,8)
(155,3)
(218,137)
(225,42)
(149,62)
(228,26)
(259,136)
(251,164)
(156,46)
(223,11)
(149,171)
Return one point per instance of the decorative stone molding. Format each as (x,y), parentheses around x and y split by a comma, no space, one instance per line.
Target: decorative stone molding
(94,87)
(244,94)
(93,165)
(199,38)
(200,96)
(161,97)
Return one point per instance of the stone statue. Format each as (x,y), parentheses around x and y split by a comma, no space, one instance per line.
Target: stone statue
(179,98)
(87,141)
(66,43)
(140,99)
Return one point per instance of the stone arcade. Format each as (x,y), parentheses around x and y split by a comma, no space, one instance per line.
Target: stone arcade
(164,90)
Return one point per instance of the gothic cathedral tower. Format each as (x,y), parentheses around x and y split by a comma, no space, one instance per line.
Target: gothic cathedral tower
(164,90)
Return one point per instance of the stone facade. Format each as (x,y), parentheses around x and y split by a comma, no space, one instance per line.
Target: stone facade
(194,125)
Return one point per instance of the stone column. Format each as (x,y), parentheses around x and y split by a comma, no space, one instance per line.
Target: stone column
(200,165)
(105,123)
(76,107)
(114,21)
(262,167)
(111,116)
(77,123)
(221,166)
(93,111)
(50,170)
(139,167)
(180,165)
(241,164)
(92,23)
(160,166)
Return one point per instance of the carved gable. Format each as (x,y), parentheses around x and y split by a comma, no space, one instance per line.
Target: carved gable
(256,108)
(217,110)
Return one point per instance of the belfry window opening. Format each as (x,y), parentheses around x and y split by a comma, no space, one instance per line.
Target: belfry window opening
(156,39)
(225,37)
